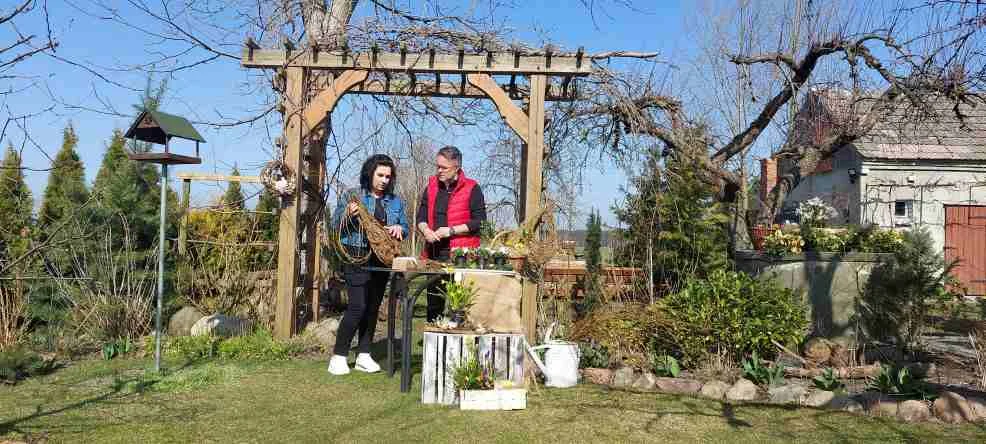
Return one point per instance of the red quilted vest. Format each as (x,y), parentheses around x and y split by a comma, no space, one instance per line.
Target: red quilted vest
(458,209)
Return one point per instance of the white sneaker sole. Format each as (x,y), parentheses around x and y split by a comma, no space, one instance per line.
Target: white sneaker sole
(366,370)
(338,373)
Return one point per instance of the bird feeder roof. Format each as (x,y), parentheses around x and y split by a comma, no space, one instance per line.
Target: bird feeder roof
(158,127)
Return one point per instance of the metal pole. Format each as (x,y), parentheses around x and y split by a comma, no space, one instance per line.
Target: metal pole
(160,268)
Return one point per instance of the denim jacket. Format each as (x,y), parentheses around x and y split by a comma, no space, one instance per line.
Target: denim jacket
(393,205)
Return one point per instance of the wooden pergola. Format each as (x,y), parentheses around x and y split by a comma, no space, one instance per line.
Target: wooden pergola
(312,81)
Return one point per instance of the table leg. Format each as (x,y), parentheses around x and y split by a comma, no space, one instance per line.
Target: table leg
(406,341)
(391,321)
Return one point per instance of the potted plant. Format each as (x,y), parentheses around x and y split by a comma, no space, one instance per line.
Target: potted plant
(458,298)
(478,390)
(485,258)
(500,257)
(460,256)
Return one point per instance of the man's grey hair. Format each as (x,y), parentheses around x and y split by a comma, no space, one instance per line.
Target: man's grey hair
(451,153)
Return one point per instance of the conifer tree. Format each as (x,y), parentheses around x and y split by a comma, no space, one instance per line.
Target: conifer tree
(66,188)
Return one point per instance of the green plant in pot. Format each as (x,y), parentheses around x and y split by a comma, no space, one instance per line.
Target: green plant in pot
(460,256)
(485,258)
(459,297)
(500,256)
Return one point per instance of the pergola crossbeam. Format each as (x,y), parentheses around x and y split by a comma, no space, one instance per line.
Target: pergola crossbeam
(402,87)
(493,63)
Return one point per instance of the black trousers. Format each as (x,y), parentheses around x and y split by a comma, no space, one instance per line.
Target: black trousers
(366,291)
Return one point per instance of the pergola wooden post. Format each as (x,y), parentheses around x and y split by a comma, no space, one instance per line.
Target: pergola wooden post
(404,73)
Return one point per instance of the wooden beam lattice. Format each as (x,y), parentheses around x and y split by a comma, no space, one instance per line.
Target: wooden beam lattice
(494,63)
(217,178)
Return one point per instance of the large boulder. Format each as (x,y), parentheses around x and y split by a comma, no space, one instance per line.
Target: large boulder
(743,390)
(600,376)
(324,332)
(623,377)
(954,408)
(222,326)
(645,382)
(787,394)
(182,321)
(913,410)
(820,398)
(846,404)
(715,390)
(978,407)
(678,386)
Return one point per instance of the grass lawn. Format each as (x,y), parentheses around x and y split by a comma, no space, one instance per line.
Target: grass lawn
(297,401)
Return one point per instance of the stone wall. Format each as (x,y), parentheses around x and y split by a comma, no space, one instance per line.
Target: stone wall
(829,282)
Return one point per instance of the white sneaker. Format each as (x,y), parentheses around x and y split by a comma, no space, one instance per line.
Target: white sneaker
(365,363)
(338,365)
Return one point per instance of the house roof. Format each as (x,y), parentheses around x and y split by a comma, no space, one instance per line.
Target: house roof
(158,127)
(944,132)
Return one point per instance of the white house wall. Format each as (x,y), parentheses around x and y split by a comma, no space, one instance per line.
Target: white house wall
(930,186)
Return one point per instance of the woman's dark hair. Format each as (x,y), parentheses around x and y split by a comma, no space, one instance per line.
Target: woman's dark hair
(370,167)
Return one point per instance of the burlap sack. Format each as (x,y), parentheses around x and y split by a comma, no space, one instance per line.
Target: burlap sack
(497,303)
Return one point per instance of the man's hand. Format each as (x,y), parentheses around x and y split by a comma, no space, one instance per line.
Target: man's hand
(443,232)
(396,232)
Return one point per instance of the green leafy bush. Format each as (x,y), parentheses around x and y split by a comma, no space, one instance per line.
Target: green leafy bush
(593,355)
(829,239)
(903,288)
(258,346)
(189,348)
(666,366)
(779,242)
(116,348)
(17,363)
(758,372)
(900,381)
(733,312)
(874,239)
(828,381)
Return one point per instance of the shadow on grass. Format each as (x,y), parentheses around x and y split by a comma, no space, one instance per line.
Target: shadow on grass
(120,388)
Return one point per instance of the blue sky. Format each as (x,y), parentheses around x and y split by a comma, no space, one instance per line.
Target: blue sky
(218,89)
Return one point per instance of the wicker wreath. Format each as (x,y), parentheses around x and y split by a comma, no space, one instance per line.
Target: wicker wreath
(381,243)
(276,177)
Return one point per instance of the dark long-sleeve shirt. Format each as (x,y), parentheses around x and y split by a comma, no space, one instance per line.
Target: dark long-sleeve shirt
(477,215)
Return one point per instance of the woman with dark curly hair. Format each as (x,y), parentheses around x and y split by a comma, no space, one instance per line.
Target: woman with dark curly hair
(366,288)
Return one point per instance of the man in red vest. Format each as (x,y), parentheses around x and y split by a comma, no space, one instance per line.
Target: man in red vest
(451,212)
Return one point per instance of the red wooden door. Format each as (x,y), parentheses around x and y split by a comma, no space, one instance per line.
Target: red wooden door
(965,240)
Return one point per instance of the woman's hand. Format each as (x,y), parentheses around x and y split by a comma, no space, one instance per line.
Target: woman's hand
(396,232)
(353,206)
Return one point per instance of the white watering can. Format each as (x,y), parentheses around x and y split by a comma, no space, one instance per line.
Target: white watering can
(561,361)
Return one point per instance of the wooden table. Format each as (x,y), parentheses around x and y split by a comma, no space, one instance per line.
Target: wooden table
(400,281)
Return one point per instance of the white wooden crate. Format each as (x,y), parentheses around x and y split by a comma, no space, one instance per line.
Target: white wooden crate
(444,351)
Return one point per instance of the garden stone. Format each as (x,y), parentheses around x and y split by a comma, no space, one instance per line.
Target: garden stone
(954,408)
(678,386)
(878,404)
(787,394)
(978,407)
(645,382)
(222,326)
(913,410)
(623,377)
(324,331)
(845,404)
(818,351)
(600,376)
(821,398)
(742,390)
(715,390)
(181,322)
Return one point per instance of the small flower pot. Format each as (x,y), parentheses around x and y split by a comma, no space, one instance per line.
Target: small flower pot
(500,261)
(460,261)
(458,317)
(483,263)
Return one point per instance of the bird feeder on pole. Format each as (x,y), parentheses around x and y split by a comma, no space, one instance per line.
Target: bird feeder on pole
(159,128)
